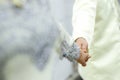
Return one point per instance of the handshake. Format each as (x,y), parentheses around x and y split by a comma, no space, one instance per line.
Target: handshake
(74,51)
(78,51)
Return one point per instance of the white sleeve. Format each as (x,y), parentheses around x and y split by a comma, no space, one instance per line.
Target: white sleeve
(84,12)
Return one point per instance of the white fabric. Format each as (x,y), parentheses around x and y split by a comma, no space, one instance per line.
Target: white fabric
(98,22)
(84,12)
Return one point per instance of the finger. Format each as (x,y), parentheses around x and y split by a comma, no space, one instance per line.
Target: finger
(84,64)
(86,59)
(84,48)
(83,58)
(89,56)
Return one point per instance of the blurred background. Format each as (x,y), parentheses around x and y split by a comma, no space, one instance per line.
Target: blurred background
(28,31)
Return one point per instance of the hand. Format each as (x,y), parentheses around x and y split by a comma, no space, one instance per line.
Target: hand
(84,56)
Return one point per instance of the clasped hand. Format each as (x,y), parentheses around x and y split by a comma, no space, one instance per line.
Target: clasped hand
(84,55)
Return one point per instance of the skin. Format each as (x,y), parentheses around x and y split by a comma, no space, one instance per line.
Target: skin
(84,55)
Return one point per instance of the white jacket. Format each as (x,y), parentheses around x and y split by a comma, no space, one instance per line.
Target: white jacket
(98,22)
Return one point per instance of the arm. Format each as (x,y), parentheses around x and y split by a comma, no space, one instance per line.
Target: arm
(84,12)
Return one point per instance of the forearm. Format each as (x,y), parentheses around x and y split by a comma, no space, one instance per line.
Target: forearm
(84,12)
